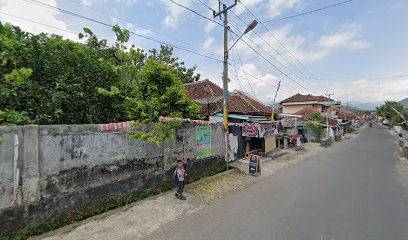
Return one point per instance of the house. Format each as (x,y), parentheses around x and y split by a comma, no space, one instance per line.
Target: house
(299,120)
(344,115)
(298,102)
(209,96)
(298,108)
(243,108)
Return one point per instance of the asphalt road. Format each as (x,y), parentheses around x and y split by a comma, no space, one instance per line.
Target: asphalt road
(349,192)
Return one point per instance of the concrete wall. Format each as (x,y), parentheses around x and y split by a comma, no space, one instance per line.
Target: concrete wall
(7,174)
(70,168)
(270,143)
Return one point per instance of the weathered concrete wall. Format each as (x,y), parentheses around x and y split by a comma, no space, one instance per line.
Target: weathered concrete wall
(7,174)
(71,169)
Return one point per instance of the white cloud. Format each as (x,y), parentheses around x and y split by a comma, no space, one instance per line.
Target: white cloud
(359,44)
(396,6)
(122,2)
(91,2)
(358,91)
(345,38)
(276,7)
(209,27)
(263,83)
(271,47)
(175,14)
(34,13)
(304,46)
(368,90)
(207,43)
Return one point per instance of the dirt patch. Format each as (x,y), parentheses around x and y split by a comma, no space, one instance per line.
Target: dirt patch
(211,189)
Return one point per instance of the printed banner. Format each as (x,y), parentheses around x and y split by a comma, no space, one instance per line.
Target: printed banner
(203,142)
(250,131)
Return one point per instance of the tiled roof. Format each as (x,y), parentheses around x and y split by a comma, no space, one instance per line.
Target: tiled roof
(305,98)
(210,97)
(345,114)
(240,102)
(305,112)
(204,89)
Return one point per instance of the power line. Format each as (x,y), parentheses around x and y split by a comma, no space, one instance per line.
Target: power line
(110,25)
(280,43)
(246,44)
(195,12)
(149,38)
(273,65)
(259,79)
(206,5)
(235,72)
(144,28)
(246,76)
(39,23)
(269,62)
(277,53)
(307,12)
(161,42)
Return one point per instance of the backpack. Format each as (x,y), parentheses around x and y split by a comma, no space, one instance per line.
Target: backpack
(176,177)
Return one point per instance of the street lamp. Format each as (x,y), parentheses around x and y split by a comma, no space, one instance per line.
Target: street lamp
(249,28)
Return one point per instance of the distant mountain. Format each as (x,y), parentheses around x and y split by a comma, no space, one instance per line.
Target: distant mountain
(404,103)
(366,106)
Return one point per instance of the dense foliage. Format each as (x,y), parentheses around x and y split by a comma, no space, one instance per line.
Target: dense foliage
(48,80)
(394,112)
(45,79)
(147,89)
(315,127)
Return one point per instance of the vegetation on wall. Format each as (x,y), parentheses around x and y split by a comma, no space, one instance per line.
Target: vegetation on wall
(316,128)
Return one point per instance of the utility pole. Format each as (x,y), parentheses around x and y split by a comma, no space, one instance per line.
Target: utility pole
(327,117)
(224,12)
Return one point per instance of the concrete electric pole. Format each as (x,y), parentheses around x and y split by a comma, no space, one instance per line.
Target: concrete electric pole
(224,12)
(327,117)
(251,26)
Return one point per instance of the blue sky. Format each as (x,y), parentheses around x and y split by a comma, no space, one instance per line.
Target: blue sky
(357,50)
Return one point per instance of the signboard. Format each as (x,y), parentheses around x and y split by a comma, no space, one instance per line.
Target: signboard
(203,142)
(254,165)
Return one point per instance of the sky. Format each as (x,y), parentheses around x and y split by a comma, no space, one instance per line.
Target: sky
(357,50)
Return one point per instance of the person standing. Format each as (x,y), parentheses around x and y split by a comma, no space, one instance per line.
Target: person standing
(179,175)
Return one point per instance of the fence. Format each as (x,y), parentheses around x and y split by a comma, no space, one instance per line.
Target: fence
(50,172)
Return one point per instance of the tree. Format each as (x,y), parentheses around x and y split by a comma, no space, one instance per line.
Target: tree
(165,55)
(64,80)
(66,76)
(147,90)
(393,111)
